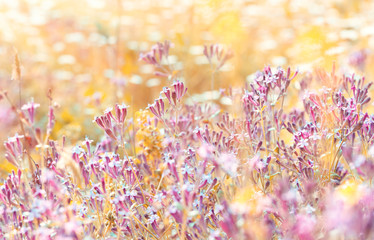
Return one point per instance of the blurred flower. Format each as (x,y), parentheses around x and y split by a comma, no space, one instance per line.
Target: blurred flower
(30,109)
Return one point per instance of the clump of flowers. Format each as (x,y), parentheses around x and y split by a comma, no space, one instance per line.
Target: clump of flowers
(193,171)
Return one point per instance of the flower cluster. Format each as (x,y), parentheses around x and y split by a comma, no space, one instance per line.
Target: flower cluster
(194,171)
(158,57)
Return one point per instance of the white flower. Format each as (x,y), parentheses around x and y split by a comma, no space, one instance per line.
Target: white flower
(132,194)
(153,218)
(302,143)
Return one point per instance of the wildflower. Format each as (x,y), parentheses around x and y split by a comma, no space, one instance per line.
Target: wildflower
(121,113)
(186,169)
(14,149)
(302,143)
(177,214)
(105,123)
(179,89)
(153,218)
(157,108)
(174,96)
(215,51)
(157,56)
(87,142)
(77,151)
(159,197)
(132,194)
(30,109)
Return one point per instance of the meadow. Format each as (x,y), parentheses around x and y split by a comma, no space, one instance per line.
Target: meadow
(186,119)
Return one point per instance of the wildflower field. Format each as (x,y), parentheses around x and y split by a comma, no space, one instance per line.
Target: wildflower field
(186,119)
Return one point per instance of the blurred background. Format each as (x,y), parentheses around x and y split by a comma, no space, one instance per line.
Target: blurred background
(87,51)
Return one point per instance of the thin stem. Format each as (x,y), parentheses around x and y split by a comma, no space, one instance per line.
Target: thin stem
(263,128)
(141,224)
(132,169)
